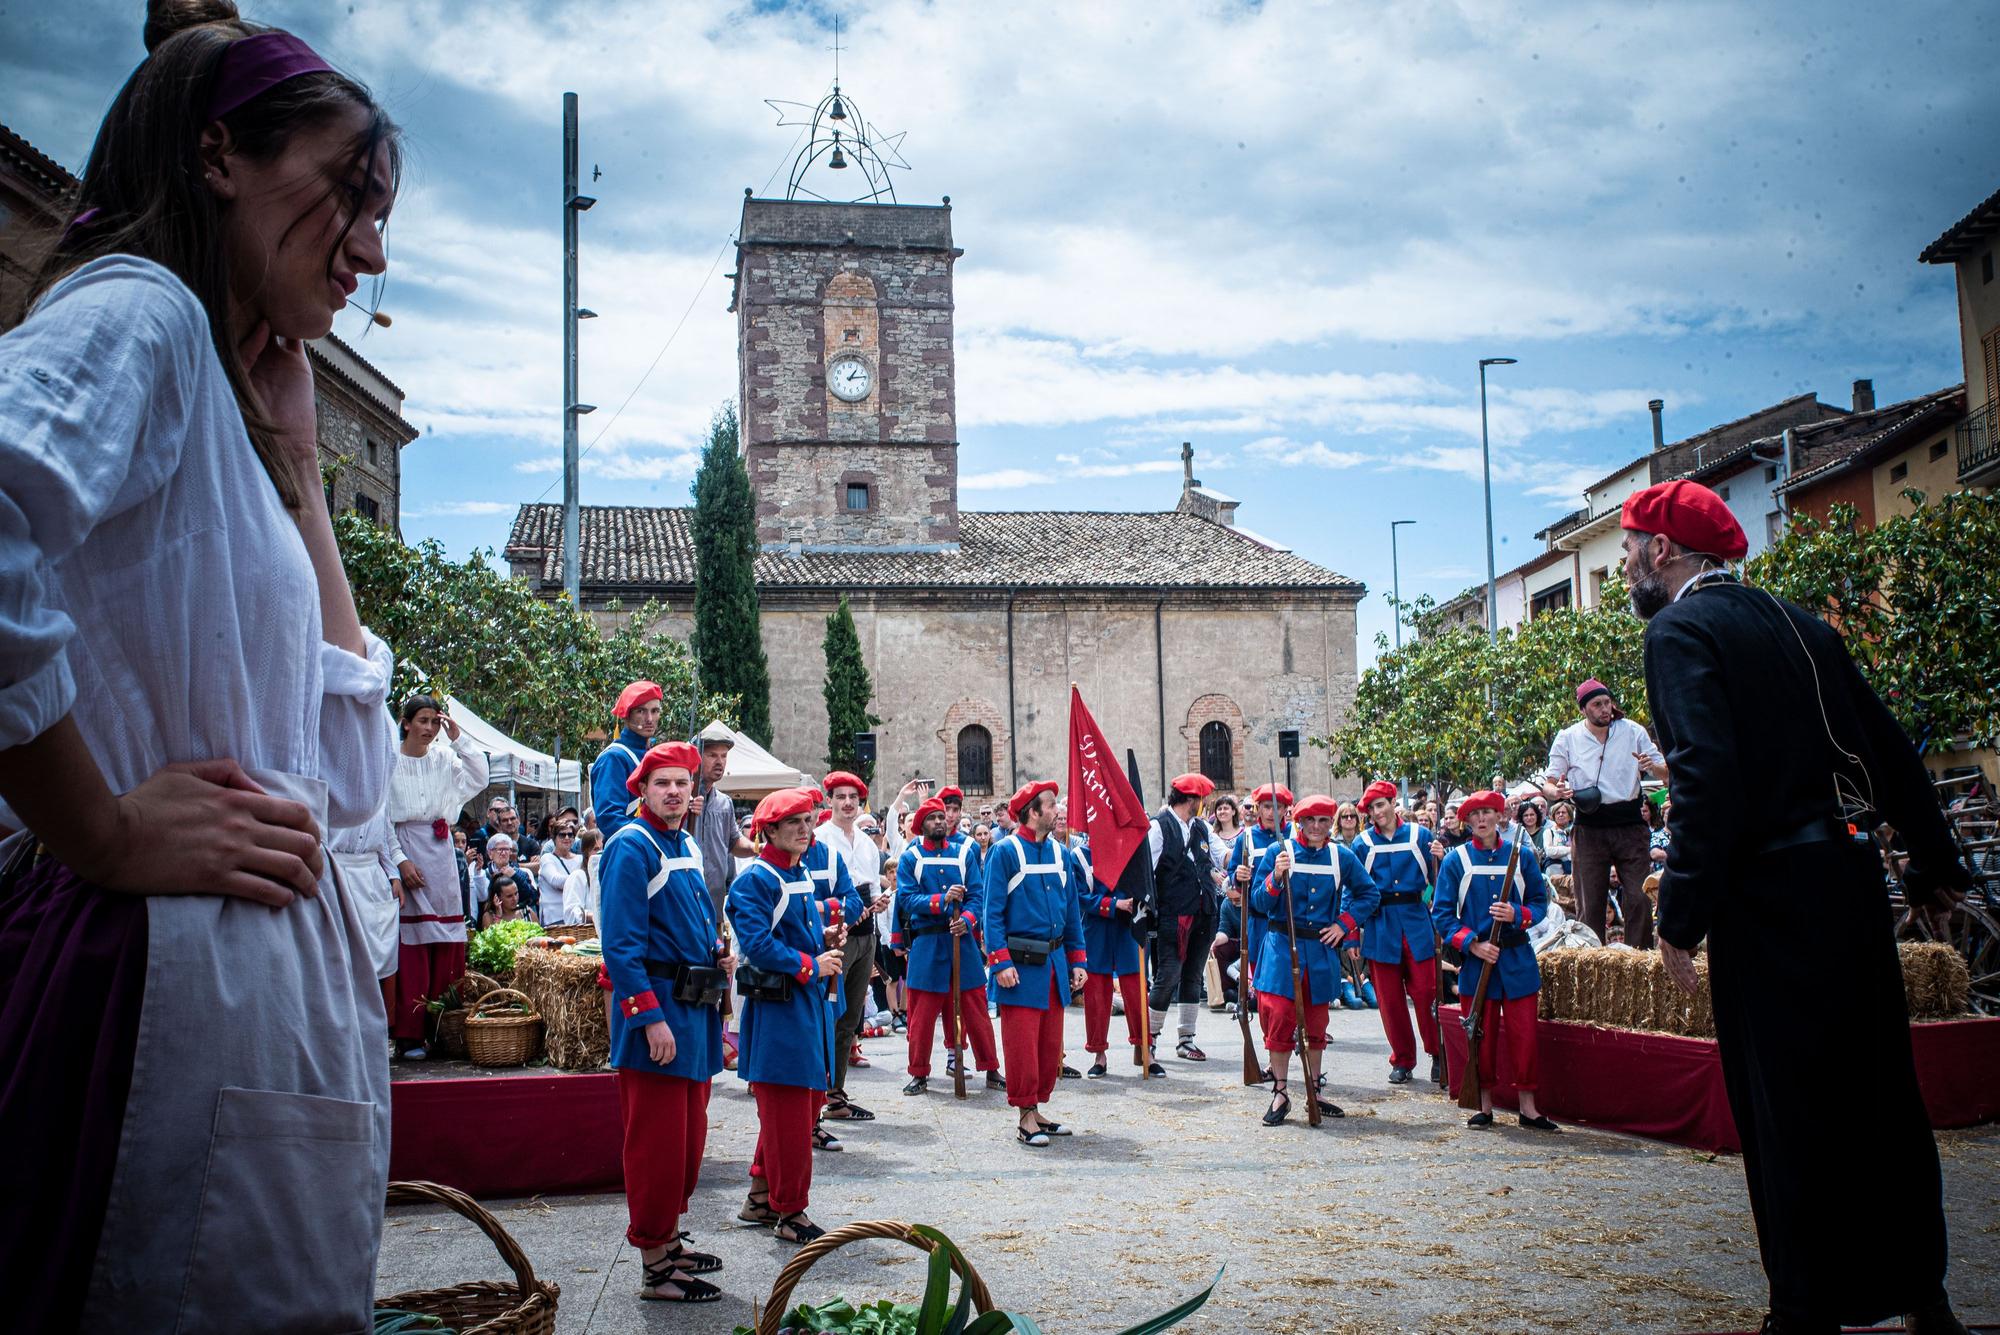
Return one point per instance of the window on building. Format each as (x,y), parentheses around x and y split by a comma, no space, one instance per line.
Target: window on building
(374,453)
(1723,491)
(1770,472)
(857,495)
(1597,578)
(1774,526)
(1217,763)
(1986,267)
(1549,600)
(1937,450)
(1899,472)
(365,506)
(975,759)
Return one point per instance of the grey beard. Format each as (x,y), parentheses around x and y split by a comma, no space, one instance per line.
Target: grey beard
(1649,595)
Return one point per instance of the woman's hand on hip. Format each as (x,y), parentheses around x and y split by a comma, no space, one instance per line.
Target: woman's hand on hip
(227,836)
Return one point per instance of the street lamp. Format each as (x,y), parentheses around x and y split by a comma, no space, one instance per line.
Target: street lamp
(1396,577)
(1486,466)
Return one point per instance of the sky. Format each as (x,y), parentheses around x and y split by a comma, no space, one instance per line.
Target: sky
(1285,232)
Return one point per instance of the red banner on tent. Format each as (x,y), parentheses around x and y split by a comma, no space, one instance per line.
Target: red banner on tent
(1101,801)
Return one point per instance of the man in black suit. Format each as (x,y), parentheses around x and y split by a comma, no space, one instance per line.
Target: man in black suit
(1750,693)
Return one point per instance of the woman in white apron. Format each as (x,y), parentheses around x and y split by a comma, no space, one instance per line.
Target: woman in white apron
(188,702)
(428,791)
(365,857)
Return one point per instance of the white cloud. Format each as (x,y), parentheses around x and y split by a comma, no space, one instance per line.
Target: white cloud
(1281,450)
(1002,479)
(460,508)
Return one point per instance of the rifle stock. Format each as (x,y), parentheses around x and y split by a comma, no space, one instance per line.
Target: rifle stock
(1253,1069)
(1468,1080)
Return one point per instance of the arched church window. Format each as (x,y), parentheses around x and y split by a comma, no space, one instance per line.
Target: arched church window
(1216,753)
(975,759)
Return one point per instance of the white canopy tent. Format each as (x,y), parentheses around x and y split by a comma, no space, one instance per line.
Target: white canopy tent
(753,771)
(512,762)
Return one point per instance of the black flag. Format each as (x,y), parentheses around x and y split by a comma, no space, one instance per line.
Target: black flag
(1136,883)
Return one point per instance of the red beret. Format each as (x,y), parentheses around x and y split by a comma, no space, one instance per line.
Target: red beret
(1193,785)
(1379,788)
(1026,794)
(638,693)
(1263,794)
(840,778)
(782,805)
(1483,800)
(949,793)
(1689,514)
(928,807)
(1315,804)
(667,755)
(825,815)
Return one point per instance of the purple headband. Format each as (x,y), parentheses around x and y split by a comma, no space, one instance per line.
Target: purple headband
(253,66)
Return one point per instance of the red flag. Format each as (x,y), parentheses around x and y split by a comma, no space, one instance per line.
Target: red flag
(1101,801)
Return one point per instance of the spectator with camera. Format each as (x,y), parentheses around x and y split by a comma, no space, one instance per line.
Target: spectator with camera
(1598,764)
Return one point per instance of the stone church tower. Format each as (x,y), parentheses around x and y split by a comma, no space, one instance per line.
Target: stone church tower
(847,389)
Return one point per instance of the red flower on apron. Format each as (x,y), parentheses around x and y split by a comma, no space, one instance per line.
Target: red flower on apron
(440,829)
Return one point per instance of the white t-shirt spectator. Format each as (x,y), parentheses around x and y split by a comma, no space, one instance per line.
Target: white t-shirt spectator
(1578,759)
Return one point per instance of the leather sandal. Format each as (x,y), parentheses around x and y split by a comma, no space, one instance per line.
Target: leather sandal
(1188,1052)
(1329,1109)
(1037,1139)
(757,1210)
(1480,1119)
(1054,1128)
(825,1141)
(840,1109)
(1539,1123)
(918,1084)
(692,1290)
(695,1263)
(795,1227)
(1097,1071)
(1280,1109)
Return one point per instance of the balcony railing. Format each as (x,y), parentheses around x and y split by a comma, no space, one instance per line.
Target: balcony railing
(1979,445)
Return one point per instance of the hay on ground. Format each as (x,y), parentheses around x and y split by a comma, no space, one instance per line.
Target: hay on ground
(564,989)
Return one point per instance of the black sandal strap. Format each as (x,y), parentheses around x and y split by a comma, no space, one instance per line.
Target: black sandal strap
(694,1262)
(692,1290)
(802,1229)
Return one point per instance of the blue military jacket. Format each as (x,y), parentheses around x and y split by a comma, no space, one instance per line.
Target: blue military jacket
(1031,892)
(655,907)
(831,882)
(779,928)
(1248,849)
(923,874)
(1108,943)
(609,797)
(1401,866)
(1328,886)
(1468,882)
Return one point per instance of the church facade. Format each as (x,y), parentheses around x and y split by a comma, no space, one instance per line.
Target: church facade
(1194,641)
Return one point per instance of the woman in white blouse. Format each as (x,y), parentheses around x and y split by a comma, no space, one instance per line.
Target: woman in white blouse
(558,867)
(427,790)
(187,701)
(366,858)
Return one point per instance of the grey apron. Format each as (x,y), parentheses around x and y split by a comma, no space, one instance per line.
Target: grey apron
(254,1157)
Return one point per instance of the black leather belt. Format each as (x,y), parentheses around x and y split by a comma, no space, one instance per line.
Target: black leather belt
(1403,897)
(1823,830)
(931,930)
(1302,929)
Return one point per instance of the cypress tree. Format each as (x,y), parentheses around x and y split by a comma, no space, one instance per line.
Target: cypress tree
(726,612)
(847,692)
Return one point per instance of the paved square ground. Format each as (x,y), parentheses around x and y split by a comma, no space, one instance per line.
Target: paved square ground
(1396,1218)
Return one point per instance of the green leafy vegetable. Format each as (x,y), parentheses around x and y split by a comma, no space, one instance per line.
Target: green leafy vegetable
(492,951)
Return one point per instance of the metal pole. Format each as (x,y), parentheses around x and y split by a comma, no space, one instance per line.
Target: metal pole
(1486,467)
(572,518)
(1396,592)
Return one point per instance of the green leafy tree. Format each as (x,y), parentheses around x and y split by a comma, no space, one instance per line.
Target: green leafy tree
(727,632)
(848,691)
(539,669)
(1915,602)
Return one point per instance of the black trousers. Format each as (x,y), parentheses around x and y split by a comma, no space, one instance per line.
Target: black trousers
(1177,975)
(1815,1043)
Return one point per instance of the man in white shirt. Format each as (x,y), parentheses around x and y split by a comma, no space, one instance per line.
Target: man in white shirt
(1598,764)
(846,792)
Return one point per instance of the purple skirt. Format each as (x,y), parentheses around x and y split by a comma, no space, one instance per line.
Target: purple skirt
(72,980)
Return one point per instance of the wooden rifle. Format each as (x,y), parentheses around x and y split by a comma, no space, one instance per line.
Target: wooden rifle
(957,1019)
(1253,1069)
(1298,988)
(1475,1029)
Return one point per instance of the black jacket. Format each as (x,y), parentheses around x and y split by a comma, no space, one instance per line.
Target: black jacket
(1744,689)
(1181,876)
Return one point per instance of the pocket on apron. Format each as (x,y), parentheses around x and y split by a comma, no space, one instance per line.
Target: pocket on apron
(285,1166)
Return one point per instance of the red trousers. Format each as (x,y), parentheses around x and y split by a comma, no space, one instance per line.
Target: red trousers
(1511,1022)
(1034,1043)
(1280,1018)
(1391,980)
(927,1008)
(785,1118)
(666,1130)
(1097,1010)
(424,972)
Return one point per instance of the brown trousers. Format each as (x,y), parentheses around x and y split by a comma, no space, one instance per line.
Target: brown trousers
(1596,852)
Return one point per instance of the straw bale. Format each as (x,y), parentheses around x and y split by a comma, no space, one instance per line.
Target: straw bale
(564,989)
(1936,982)
(1701,1007)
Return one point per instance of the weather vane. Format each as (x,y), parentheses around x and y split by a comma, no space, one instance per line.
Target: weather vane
(839,138)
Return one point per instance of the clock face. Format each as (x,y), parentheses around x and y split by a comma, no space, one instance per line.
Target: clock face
(850,379)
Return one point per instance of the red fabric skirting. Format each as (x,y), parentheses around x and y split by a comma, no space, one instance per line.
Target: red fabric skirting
(1670,1088)
(490,1136)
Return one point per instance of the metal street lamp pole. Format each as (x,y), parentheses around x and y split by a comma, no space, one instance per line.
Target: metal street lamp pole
(1492,595)
(573,204)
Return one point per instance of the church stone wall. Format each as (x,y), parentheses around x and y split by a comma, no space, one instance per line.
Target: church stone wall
(1285,662)
(801,494)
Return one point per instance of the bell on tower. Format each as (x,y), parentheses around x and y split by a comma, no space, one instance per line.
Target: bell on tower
(874,155)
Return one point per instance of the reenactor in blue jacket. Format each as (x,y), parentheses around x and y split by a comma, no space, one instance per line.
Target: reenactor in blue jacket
(668,971)
(1316,890)
(1471,918)
(938,910)
(1398,941)
(840,904)
(1034,940)
(638,713)
(789,956)
(1111,953)
(1272,804)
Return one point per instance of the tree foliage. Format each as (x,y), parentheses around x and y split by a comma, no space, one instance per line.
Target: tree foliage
(1915,601)
(727,633)
(540,669)
(848,691)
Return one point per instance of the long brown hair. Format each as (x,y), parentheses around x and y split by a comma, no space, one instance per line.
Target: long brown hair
(143,185)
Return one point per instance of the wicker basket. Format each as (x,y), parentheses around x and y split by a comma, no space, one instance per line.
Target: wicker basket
(483,1307)
(795,1269)
(451,1033)
(582,931)
(502,1039)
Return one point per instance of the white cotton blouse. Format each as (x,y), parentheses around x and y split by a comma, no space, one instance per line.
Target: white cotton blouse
(152,584)
(437,784)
